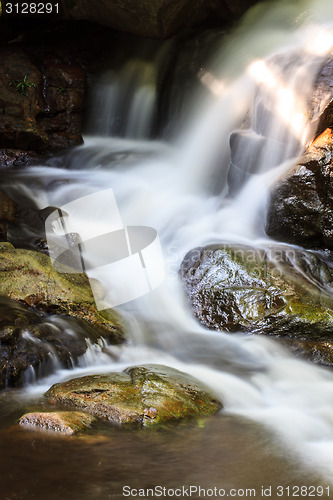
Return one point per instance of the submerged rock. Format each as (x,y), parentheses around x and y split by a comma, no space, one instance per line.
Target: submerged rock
(145,395)
(34,344)
(28,276)
(64,422)
(277,290)
(301,207)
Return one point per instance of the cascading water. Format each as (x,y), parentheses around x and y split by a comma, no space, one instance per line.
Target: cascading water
(168,187)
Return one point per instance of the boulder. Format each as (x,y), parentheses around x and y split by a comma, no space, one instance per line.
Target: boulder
(33,344)
(64,422)
(28,276)
(276,290)
(301,205)
(155,18)
(143,395)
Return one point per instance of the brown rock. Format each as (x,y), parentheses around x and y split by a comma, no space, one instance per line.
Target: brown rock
(64,422)
(7,214)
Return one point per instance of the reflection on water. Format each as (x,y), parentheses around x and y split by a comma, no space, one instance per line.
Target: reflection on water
(222,451)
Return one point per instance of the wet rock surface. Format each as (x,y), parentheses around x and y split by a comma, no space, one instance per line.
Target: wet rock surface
(143,395)
(277,290)
(34,344)
(28,276)
(64,422)
(301,206)
(40,101)
(155,18)
(7,214)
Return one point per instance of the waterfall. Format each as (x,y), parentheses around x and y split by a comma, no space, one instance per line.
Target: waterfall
(184,191)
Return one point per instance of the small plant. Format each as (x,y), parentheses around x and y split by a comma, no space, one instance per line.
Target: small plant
(22,86)
(61,90)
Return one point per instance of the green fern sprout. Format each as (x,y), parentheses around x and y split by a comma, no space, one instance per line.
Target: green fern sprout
(22,86)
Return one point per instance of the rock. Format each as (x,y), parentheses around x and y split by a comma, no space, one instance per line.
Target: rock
(7,214)
(40,101)
(155,18)
(318,351)
(322,97)
(33,344)
(16,158)
(301,206)
(28,276)
(145,395)
(64,422)
(277,290)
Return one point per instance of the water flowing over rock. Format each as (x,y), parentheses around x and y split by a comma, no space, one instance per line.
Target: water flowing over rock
(145,395)
(29,276)
(64,422)
(301,206)
(276,290)
(155,18)
(33,344)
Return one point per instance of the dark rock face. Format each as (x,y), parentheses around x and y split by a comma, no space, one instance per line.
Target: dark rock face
(40,102)
(28,276)
(301,207)
(16,158)
(322,97)
(155,18)
(7,214)
(145,395)
(33,344)
(276,290)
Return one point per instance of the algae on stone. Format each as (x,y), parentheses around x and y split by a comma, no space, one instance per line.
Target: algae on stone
(145,395)
(28,276)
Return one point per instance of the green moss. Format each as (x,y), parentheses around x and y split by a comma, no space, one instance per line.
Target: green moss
(26,275)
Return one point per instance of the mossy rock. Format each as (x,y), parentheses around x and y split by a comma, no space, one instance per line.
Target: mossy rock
(28,276)
(276,290)
(143,395)
(63,422)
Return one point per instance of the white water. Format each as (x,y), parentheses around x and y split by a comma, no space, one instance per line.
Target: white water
(169,189)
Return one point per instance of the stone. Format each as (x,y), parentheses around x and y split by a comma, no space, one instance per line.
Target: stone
(63,422)
(28,276)
(144,395)
(276,290)
(34,344)
(155,18)
(7,214)
(40,101)
(301,205)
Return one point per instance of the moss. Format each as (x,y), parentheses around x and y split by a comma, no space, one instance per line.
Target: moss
(29,276)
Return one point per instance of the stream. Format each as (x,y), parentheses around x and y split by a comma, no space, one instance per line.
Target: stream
(276,428)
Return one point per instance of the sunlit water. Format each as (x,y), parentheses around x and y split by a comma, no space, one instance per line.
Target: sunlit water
(181,190)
